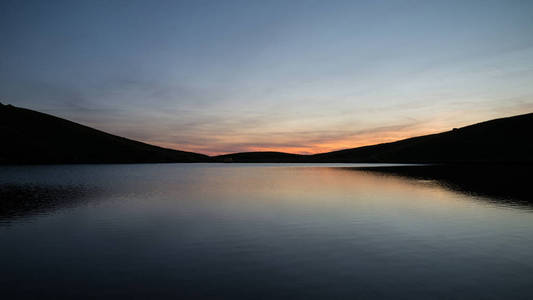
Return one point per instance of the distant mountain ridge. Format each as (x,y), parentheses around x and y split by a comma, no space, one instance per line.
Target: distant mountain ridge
(260,157)
(504,140)
(31,137)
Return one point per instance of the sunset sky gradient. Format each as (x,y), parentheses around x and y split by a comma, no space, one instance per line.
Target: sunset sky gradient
(297,76)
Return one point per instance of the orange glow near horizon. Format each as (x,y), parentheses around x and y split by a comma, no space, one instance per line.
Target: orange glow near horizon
(360,140)
(292,138)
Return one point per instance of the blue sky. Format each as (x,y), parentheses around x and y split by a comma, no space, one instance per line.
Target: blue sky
(300,76)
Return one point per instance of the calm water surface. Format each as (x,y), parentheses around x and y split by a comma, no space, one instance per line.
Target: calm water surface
(230,231)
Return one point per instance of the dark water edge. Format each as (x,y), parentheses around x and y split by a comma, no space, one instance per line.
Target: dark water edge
(18,201)
(500,183)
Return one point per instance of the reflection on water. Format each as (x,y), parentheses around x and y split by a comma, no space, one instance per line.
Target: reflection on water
(506,184)
(262,231)
(23,200)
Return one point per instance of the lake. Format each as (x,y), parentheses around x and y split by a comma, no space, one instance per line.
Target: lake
(262,231)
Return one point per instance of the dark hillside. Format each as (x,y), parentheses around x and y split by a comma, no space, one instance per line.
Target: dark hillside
(31,137)
(260,157)
(500,140)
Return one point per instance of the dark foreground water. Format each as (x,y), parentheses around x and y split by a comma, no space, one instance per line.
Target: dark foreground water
(229,231)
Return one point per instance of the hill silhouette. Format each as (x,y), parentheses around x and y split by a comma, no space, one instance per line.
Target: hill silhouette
(504,140)
(31,137)
(260,157)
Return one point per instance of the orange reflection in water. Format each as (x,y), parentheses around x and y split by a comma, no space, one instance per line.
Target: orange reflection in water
(310,186)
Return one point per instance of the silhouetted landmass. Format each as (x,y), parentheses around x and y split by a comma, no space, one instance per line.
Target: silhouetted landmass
(503,140)
(260,157)
(499,140)
(30,137)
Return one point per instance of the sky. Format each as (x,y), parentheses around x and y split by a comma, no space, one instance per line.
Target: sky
(296,76)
